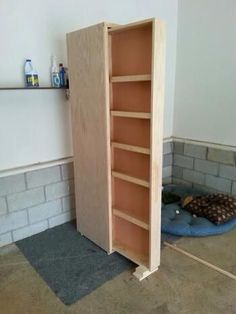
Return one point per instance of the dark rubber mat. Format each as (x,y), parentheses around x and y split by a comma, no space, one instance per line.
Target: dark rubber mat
(69,263)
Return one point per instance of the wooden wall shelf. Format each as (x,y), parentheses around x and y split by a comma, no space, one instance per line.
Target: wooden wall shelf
(32,88)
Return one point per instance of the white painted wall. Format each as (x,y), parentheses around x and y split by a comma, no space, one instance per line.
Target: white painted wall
(35,125)
(205,99)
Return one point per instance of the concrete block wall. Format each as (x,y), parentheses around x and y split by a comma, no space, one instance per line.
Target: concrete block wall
(167,162)
(34,201)
(204,167)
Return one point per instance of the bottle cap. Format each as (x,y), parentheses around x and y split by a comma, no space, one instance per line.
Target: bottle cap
(28,60)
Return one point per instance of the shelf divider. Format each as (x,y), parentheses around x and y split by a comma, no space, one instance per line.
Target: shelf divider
(130,179)
(131,148)
(131,78)
(130,114)
(130,218)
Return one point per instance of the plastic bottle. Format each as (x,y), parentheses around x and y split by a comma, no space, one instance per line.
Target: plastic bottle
(62,75)
(31,75)
(55,77)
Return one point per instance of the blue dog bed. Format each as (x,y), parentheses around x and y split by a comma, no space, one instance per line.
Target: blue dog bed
(184,224)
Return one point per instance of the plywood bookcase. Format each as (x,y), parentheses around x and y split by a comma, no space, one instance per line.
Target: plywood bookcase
(117,91)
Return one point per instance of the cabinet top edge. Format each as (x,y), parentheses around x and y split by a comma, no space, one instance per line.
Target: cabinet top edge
(132,25)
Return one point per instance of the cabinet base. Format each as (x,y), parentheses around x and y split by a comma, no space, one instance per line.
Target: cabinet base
(142,272)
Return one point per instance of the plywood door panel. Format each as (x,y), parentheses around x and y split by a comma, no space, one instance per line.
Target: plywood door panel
(89,96)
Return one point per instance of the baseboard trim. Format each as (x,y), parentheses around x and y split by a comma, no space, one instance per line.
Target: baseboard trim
(41,165)
(204,143)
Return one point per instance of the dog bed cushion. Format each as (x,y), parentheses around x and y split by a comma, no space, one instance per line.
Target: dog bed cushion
(180,222)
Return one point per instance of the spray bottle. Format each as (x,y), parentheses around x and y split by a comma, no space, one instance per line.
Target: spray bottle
(55,77)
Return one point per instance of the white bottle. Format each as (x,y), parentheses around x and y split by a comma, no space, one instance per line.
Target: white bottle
(55,77)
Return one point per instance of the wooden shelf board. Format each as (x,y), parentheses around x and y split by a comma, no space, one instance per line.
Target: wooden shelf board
(132,219)
(31,88)
(130,114)
(131,78)
(128,253)
(130,179)
(131,148)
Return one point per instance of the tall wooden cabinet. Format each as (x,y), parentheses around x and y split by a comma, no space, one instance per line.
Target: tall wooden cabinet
(117,90)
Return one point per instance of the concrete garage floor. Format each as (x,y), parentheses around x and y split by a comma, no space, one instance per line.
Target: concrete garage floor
(181,286)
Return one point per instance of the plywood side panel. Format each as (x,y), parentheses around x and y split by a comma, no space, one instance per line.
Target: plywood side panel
(132,199)
(131,163)
(131,240)
(131,131)
(89,96)
(131,51)
(157,104)
(132,96)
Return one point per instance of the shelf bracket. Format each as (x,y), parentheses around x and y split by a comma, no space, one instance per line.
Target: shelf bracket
(142,272)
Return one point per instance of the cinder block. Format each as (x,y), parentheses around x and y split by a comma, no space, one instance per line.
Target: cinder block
(193,176)
(204,188)
(181,182)
(206,166)
(44,211)
(167,148)
(67,171)
(167,160)
(195,151)
(167,172)
(228,172)
(222,156)
(234,188)
(61,219)
(177,172)
(5,239)
(43,176)
(183,161)
(60,189)
(12,184)
(219,184)
(13,221)
(167,180)
(30,230)
(25,199)
(68,203)
(178,148)
(3,206)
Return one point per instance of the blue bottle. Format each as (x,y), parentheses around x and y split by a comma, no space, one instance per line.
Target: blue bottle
(62,73)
